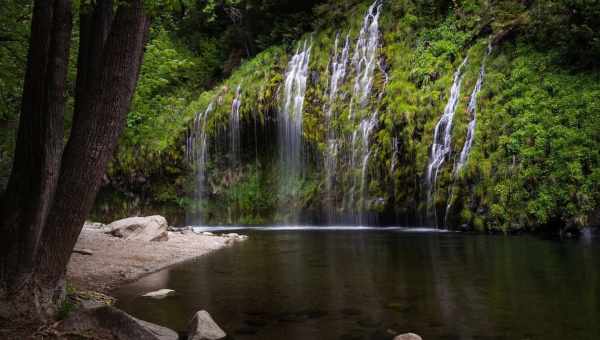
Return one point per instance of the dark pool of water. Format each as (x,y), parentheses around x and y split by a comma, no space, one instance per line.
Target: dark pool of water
(360,284)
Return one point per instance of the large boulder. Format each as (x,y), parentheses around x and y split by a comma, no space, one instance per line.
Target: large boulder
(203,327)
(108,322)
(151,228)
(408,336)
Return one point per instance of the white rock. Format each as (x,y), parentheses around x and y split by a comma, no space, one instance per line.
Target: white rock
(83,251)
(208,233)
(159,294)
(408,336)
(151,228)
(232,235)
(203,327)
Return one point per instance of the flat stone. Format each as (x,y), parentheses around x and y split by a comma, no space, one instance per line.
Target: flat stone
(83,251)
(160,294)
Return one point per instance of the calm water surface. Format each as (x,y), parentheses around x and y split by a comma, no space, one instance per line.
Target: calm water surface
(358,284)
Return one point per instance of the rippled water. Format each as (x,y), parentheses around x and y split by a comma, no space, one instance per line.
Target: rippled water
(292,283)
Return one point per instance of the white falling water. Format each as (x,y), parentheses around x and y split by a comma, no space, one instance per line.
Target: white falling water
(290,119)
(394,161)
(472,109)
(442,137)
(338,68)
(364,59)
(234,126)
(197,155)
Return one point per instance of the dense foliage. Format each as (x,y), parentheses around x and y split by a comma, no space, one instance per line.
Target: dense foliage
(534,163)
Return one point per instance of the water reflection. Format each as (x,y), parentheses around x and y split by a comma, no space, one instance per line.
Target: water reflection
(363,284)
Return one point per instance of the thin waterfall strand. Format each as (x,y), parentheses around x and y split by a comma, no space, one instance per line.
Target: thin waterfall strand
(472,109)
(338,68)
(442,137)
(197,153)
(234,126)
(290,120)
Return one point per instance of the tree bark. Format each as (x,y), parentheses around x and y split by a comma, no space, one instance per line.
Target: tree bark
(26,201)
(95,22)
(50,192)
(92,142)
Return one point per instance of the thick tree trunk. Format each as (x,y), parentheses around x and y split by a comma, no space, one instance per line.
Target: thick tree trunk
(95,23)
(107,74)
(27,199)
(91,145)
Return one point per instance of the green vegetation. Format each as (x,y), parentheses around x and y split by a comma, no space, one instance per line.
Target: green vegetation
(534,163)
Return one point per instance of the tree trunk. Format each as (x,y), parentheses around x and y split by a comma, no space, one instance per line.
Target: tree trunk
(94,139)
(26,201)
(110,58)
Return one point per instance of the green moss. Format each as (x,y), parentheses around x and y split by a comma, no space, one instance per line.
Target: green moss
(535,160)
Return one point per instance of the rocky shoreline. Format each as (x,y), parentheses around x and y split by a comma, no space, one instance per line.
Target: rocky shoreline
(102,261)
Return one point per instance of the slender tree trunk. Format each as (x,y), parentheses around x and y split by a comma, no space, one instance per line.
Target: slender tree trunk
(26,201)
(51,192)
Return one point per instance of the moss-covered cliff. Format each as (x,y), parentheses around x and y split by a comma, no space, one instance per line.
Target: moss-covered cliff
(535,159)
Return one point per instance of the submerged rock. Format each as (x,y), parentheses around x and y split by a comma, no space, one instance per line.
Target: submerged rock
(408,336)
(151,228)
(203,327)
(160,294)
(109,322)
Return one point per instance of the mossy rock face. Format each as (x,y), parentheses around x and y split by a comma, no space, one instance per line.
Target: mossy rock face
(534,161)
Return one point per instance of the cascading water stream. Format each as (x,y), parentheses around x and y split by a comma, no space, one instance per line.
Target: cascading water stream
(290,122)
(338,68)
(472,110)
(197,156)
(394,161)
(364,62)
(364,59)
(234,126)
(442,138)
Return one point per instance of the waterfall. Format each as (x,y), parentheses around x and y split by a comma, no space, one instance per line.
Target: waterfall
(472,109)
(338,68)
(290,120)
(394,161)
(197,156)
(234,126)
(442,137)
(364,61)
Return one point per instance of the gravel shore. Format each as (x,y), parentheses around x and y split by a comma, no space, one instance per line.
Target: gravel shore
(115,261)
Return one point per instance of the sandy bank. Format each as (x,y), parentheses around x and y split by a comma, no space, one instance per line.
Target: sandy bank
(116,261)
